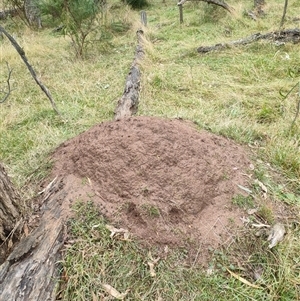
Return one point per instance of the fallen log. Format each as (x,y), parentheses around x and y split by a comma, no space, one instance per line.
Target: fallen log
(31,270)
(282,36)
(128,103)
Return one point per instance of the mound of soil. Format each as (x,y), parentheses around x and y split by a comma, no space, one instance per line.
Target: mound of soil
(167,183)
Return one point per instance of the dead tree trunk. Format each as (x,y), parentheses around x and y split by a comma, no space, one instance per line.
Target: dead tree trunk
(11,217)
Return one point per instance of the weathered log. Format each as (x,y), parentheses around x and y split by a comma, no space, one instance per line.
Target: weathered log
(283,36)
(30,272)
(128,103)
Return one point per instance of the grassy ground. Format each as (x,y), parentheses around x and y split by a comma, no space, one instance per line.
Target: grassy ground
(234,92)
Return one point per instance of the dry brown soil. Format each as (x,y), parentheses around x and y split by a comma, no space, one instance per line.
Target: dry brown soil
(167,183)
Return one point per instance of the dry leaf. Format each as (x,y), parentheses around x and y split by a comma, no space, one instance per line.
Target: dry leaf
(252,211)
(243,280)
(126,235)
(10,244)
(114,231)
(245,189)
(245,220)
(210,271)
(263,187)
(151,266)
(113,292)
(276,235)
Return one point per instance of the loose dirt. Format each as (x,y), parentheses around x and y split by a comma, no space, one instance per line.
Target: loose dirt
(167,183)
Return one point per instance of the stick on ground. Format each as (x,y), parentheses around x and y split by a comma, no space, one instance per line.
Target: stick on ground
(31,70)
(283,36)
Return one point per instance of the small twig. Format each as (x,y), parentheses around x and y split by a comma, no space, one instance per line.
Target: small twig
(298,104)
(8,84)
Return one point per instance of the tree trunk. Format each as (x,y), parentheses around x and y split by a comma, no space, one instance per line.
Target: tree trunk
(11,218)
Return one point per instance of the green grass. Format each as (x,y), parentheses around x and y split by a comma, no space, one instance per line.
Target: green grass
(235,93)
(93,258)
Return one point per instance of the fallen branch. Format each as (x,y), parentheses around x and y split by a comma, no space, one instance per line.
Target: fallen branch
(216,2)
(24,58)
(8,85)
(283,36)
(128,103)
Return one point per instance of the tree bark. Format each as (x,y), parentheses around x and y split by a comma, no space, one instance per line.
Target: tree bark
(11,214)
(31,271)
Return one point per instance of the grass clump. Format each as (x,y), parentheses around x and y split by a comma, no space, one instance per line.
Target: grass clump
(242,201)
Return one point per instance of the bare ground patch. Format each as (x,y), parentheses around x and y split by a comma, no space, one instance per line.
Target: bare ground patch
(167,183)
